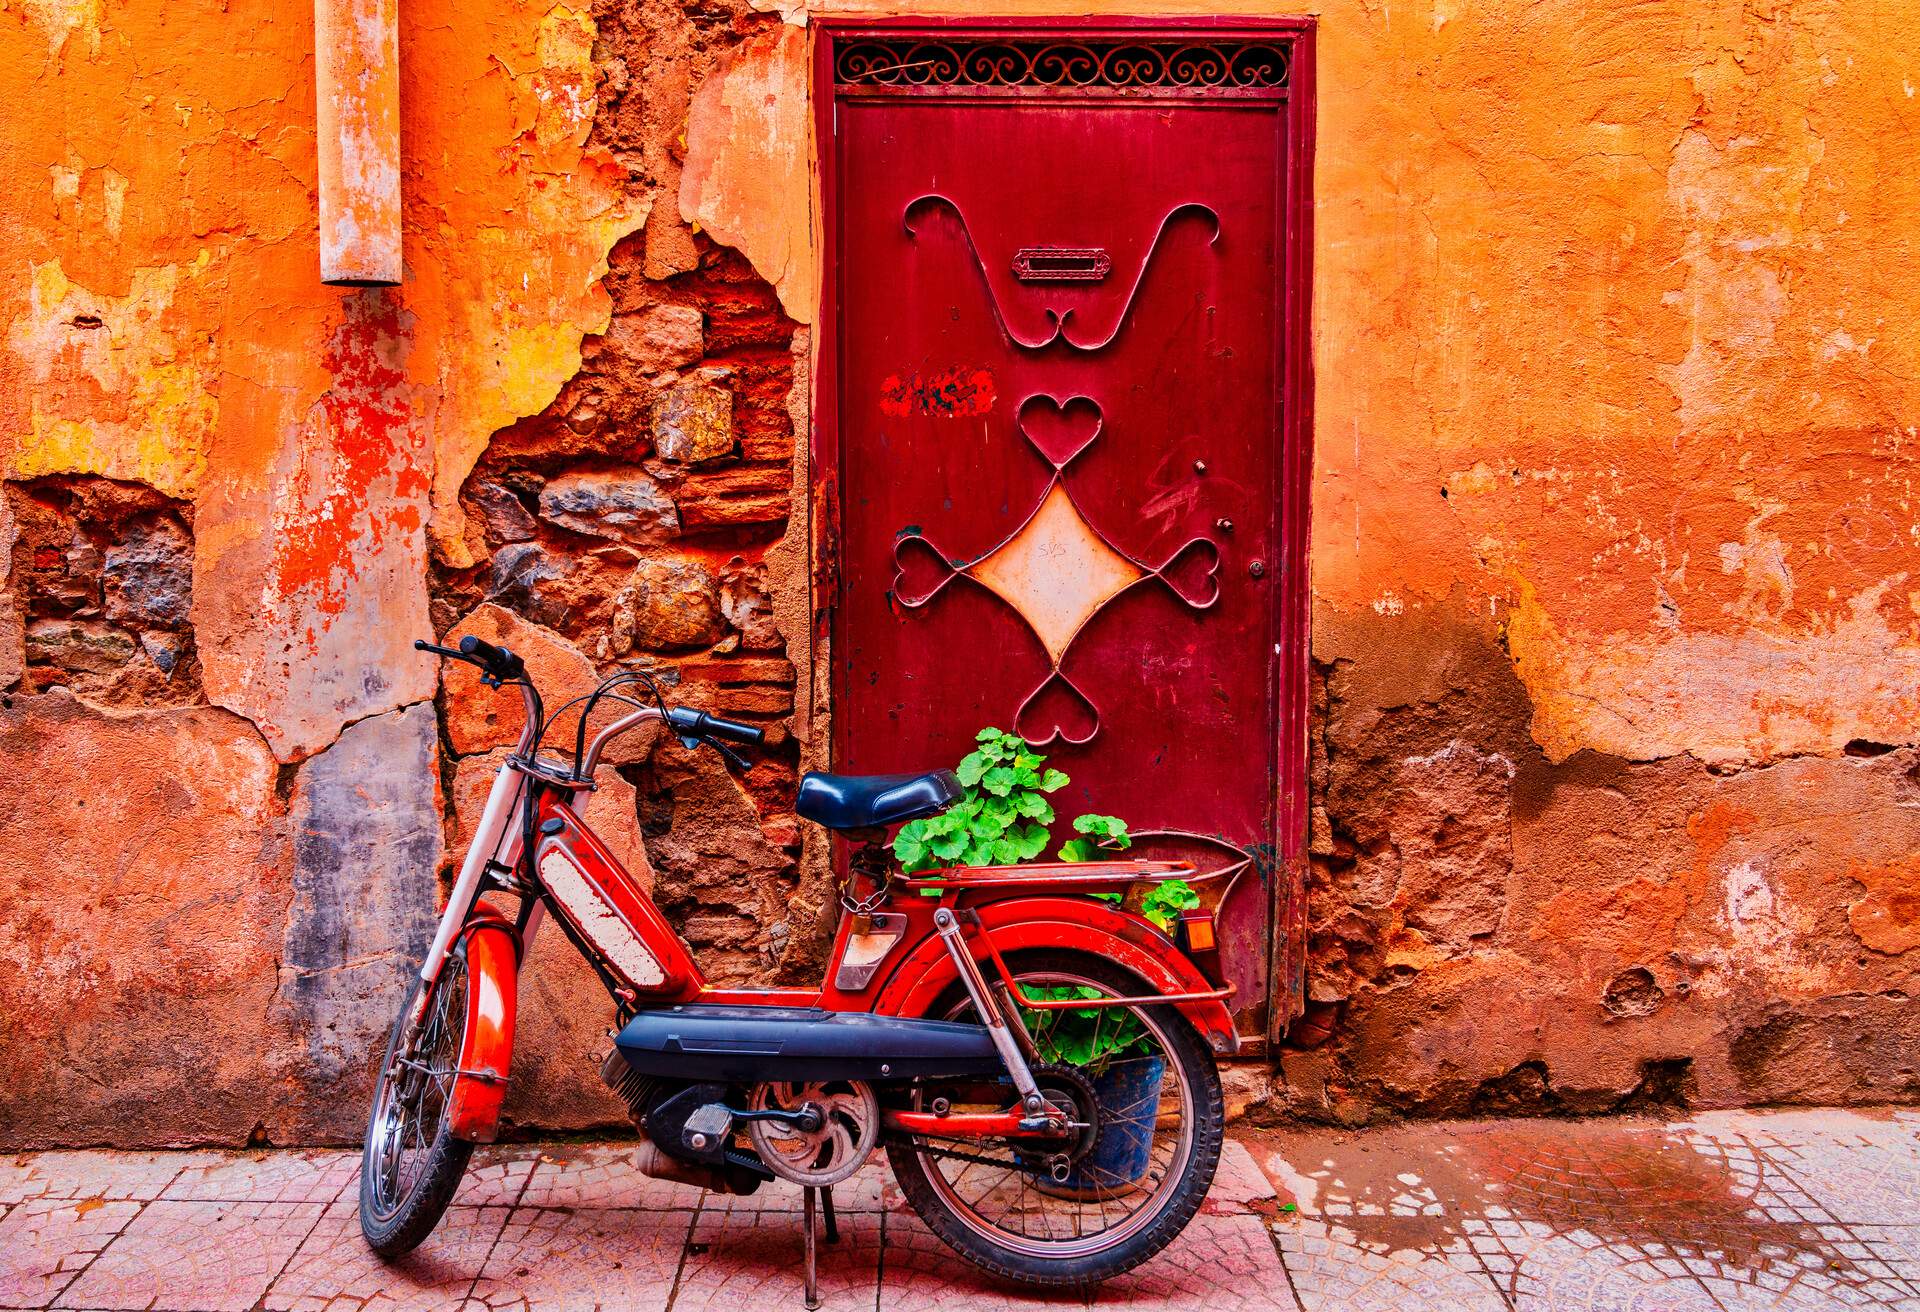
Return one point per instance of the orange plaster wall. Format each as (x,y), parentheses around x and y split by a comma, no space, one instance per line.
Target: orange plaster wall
(1614,450)
(163,318)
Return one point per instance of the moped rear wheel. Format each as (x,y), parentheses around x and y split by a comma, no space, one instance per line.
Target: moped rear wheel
(1127,1192)
(411,1163)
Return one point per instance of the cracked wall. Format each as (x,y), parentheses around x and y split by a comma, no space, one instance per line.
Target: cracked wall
(1614,555)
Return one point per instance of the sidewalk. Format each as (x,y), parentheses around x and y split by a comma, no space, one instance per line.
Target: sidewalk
(1723,1213)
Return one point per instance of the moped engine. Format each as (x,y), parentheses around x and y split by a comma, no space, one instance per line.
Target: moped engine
(816,1133)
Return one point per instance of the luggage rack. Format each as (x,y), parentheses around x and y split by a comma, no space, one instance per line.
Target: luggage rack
(1083,877)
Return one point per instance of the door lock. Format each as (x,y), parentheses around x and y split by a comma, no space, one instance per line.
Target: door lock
(1257,568)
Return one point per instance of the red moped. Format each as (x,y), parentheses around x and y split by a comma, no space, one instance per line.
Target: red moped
(1036,1063)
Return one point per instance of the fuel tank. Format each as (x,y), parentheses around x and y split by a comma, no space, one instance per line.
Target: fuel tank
(746,1045)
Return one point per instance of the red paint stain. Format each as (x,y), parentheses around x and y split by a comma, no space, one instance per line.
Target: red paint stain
(950,394)
(363,434)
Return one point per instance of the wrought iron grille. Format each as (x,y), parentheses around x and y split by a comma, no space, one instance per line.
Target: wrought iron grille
(1116,64)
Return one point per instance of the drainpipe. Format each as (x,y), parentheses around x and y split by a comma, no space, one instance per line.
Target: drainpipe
(357,68)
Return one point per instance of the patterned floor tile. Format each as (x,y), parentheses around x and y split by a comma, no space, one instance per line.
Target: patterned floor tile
(918,1273)
(1239,1185)
(206,1256)
(1332,1271)
(316,1176)
(335,1271)
(45,1243)
(1578,1272)
(601,1175)
(90,1174)
(557,1260)
(1219,1263)
(1855,1167)
(753,1260)
(495,1176)
(870,1189)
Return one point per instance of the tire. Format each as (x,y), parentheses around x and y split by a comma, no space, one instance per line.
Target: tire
(395,1219)
(1172,1206)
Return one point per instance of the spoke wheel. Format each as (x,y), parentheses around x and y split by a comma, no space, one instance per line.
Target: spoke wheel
(1099,1203)
(412,1163)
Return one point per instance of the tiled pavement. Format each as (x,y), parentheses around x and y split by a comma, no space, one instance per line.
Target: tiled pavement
(1728,1212)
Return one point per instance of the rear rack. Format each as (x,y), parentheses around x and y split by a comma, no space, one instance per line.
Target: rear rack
(1077,876)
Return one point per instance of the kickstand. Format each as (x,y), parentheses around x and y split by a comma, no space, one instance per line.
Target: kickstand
(808,1195)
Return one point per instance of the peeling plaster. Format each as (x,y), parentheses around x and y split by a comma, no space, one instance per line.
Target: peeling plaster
(746,179)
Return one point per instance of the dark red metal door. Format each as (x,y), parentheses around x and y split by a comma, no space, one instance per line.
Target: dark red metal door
(1059,382)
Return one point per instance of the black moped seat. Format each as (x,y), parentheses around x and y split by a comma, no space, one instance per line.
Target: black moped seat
(862,801)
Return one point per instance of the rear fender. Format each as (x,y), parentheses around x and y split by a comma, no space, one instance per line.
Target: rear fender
(486,1051)
(1073,924)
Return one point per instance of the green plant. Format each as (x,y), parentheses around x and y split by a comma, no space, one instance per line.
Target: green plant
(1089,1037)
(1003,821)
(1003,818)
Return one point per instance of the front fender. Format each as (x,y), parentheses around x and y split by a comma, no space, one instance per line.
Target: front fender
(486,1050)
(1075,924)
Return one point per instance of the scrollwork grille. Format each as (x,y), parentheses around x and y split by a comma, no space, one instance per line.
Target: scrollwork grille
(1087,66)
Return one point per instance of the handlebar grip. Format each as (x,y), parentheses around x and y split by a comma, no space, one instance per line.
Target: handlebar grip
(501,663)
(698,724)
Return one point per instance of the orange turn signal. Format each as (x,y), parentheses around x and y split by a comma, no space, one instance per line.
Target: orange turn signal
(1198,927)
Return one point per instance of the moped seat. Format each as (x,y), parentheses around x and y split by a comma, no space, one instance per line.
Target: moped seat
(862,801)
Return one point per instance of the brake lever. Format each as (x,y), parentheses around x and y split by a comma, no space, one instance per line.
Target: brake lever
(733,759)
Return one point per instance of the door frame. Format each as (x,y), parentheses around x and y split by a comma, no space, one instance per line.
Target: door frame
(1284,864)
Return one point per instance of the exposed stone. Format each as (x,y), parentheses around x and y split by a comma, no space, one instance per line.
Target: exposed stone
(166,650)
(102,576)
(86,646)
(366,861)
(667,603)
(748,607)
(658,338)
(148,576)
(13,651)
(625,505)
(693,422)
(717,878)
(502,515)
(568,592)
(144,883)
(735,498)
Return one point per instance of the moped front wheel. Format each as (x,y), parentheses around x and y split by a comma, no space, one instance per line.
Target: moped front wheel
(411,1163)
(1126,1189)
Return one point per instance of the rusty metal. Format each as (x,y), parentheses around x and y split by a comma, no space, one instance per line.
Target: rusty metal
(357,72)
(1089,65)
(1193,357)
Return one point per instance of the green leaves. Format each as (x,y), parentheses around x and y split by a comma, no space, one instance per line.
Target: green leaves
(1103,833)
(1166,900)
(1092,1037)
(1002,820)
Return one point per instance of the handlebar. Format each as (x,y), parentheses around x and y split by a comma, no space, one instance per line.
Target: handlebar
(689,723)
(500,665)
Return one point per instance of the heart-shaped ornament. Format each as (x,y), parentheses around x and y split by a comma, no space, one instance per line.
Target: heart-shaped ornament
(1059,430)
(918,570)
(1056,709)
(1193,572)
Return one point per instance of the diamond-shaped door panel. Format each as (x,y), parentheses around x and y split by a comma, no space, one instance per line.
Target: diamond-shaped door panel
(1056,571)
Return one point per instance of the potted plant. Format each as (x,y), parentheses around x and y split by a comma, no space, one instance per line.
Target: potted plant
(1003,820)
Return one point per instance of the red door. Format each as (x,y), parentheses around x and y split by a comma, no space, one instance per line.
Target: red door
(1059,384)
